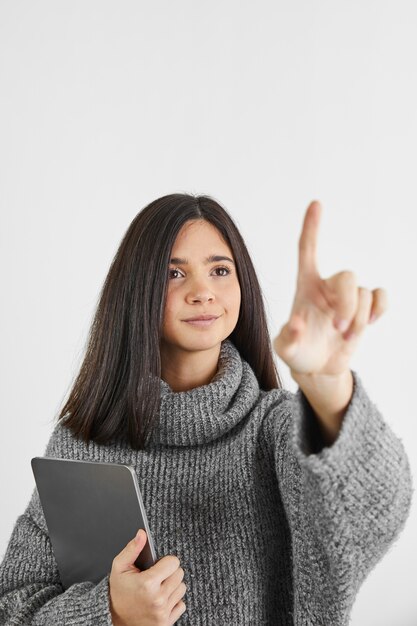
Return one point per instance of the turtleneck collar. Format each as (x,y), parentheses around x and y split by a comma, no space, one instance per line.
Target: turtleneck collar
(204,413)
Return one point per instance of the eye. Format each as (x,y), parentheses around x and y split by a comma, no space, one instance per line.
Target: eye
(224,271)
(172,273)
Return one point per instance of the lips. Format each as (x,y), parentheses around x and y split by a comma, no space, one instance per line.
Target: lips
(202,321)
(201,318)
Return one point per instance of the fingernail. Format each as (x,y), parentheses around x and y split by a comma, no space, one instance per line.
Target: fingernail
(373,318)
(342,325)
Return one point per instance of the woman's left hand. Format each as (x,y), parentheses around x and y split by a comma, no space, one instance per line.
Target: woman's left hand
(310,342)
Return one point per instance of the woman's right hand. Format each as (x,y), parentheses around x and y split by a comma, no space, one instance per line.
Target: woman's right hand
(150,597)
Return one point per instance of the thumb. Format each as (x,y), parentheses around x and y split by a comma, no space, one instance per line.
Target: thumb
(286,343)
(125,560)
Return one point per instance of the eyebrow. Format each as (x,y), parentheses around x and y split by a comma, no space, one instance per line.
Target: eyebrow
(213,258)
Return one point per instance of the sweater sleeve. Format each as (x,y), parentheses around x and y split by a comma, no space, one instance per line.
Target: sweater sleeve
(346,503)
(30,588)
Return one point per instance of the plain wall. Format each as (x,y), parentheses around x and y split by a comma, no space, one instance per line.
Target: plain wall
(265,106)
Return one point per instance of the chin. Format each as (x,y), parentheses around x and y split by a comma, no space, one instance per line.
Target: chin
(193,339)
(201,341)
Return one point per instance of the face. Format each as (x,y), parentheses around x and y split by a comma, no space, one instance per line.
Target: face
(202,283)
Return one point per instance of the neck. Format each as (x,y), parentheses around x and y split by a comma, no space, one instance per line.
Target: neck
(184,370)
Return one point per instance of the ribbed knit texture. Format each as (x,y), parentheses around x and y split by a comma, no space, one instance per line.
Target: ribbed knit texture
(271,527)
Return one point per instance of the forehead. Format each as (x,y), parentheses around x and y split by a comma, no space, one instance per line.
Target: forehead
(198,234)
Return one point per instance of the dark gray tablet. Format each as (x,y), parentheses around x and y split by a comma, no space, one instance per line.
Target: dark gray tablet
(92,510)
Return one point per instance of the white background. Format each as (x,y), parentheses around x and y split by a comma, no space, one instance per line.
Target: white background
(264,105)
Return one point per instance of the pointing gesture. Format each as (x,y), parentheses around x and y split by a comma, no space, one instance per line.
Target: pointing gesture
(328,315)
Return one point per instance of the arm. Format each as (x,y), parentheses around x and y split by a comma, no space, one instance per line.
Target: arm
(345,503)
(328,397)
(31,591)
(30,587)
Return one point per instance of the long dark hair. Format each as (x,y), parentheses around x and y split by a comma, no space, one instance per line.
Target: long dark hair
(117,391)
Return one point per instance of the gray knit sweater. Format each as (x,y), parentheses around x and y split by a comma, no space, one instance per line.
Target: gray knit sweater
(271,527)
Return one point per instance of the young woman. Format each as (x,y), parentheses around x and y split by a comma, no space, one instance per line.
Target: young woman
(268,507)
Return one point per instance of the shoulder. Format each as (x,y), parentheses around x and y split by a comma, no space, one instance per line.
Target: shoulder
(63,444)
(276,406)
(276,401)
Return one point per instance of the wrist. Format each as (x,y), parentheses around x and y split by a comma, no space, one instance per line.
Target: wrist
(329,397)
(115,617)
(315,379)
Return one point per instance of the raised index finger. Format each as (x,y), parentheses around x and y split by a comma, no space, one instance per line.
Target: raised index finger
(307,246)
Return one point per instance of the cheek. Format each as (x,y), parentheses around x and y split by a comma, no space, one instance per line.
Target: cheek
(174,306)
(232,299)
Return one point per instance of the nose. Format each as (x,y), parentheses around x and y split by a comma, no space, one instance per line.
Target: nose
(199,292)
(201,298)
